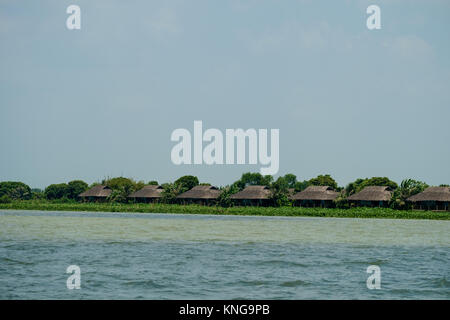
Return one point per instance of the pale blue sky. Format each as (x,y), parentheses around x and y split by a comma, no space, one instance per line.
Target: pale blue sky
(103,100)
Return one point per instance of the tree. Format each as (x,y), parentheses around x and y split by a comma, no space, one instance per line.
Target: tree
(253,179)
(408,188)
(57,191)
(360,184)
(291,180)
(380,181)
(186,183)
(224,197)
(122,188)
(301,185)
(75,188)
(153,183)
(170,192)
(280,192)
(323,180)
(15,190)
(354,186)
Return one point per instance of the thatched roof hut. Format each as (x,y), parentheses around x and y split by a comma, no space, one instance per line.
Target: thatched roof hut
(253,196)
(253,193)
(315,196)
(97,192)
(316,193)
(432,198)
(372,194)
(441,194)
(148,192)
(201,192)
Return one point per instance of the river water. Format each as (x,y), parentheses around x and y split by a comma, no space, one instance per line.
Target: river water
(173,256)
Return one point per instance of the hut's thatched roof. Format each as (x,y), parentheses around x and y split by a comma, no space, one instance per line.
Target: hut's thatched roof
(201,192)
(316,193)
(432,194)
(372,193)
(252,193)
(98,191)
(149,192)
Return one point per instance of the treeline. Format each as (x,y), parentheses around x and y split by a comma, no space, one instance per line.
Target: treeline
(280,189)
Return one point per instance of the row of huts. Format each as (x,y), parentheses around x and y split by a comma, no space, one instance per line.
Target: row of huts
(432,198)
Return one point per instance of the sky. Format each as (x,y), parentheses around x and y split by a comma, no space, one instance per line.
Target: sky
(103,101)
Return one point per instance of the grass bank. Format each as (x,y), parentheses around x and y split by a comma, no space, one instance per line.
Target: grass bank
(250,211)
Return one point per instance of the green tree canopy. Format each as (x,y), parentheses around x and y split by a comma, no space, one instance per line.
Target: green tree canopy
(253,179)
(323,180)
(280,192)
(57,191)
(186,183)
(153,183)
(291,180)
(170,192)
(122,187)
(224,196)
(75,188)
(15,190)
(360,184)
(301,185)
(407,188)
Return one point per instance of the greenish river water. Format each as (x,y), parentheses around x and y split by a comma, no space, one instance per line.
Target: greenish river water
(173,256)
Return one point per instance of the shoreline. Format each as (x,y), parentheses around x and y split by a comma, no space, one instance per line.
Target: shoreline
(358,212)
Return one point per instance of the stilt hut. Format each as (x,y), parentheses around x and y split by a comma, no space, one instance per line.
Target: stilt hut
(252,196)
(372,196)
(315,196)
(205,195)
(432,198)
(98,193)
(147,194)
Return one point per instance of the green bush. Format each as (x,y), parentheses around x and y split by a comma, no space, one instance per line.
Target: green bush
(341,202)
(5,199)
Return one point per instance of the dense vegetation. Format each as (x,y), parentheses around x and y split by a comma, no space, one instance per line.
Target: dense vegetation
(64,196)
(359,212)
(10,190)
